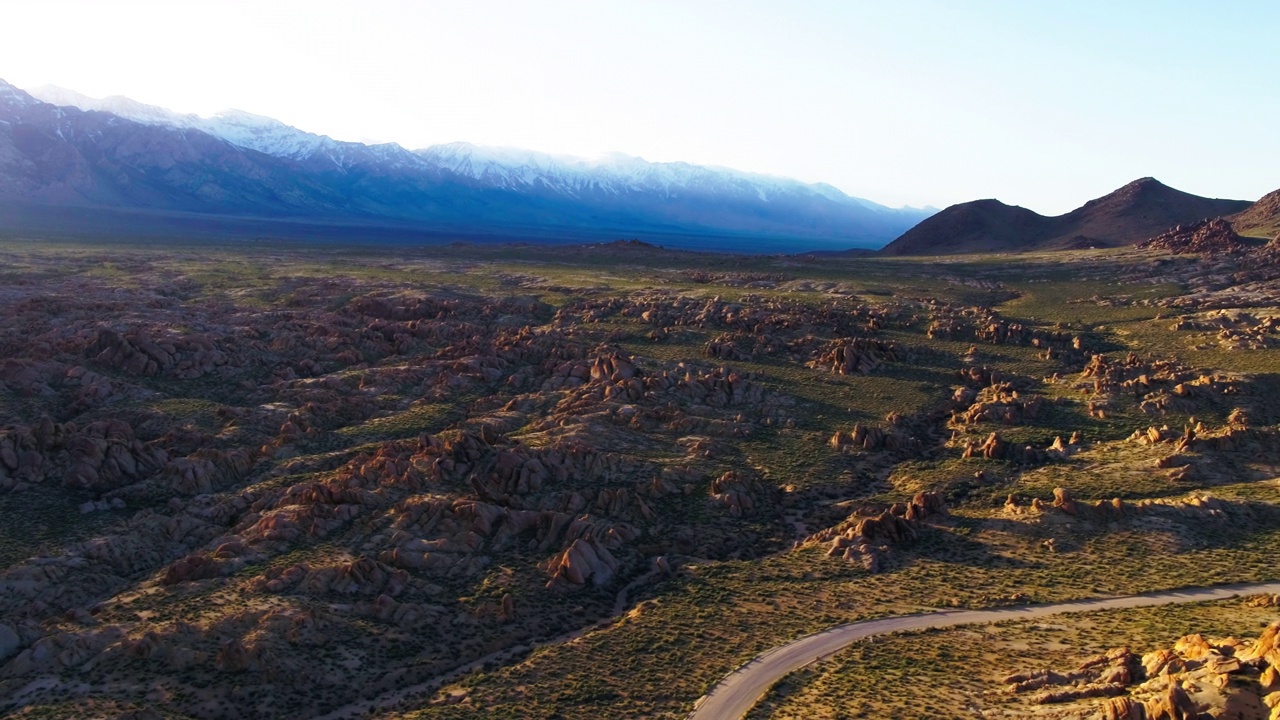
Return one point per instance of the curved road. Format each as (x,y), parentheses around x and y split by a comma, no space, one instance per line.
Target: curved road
(741,689)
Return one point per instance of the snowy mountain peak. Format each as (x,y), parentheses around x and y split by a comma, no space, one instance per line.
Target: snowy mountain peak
(612,175)
(13,97)
(114,104)
(256,132)
(241,117)
(264,134)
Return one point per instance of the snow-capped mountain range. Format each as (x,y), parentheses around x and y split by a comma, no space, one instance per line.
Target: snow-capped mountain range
(510,168)
(452,185)
(240,128)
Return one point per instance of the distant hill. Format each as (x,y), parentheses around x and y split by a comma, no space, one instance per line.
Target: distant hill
(120,164)
(1140,210)
(1261,219)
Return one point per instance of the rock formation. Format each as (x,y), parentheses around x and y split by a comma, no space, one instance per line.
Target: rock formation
(867,538)
(1196,678)
(1207,236)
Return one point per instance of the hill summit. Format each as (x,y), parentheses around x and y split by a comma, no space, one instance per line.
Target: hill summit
(1141,209)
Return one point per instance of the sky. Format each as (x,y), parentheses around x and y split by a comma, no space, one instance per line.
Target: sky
(1038,103)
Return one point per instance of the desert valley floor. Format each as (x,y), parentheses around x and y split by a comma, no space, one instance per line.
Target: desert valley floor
(254,480)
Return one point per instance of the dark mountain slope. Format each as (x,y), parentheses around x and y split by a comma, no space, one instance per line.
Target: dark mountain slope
(977,226)
(1261,219)
(1140,210)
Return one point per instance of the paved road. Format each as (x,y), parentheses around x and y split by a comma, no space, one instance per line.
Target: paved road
(740,690)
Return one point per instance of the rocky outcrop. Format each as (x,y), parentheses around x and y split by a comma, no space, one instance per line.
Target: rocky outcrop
(866,539)
(361,576)
(207,470)
(1207,236)
(997,403)
(870,438)
(1196,678)
(1233,329)
(100,456)
(738,493)
(1158,386)
(996,448)
(1195,505)
(1003,332)
(135,351)
(61,651)
(856,356)
(586,559)
(727,348)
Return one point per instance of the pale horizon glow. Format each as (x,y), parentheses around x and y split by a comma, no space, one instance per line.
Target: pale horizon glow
(922,102)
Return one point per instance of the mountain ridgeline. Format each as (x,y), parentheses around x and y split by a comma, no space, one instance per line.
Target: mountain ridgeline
(1140,210)
(80,164)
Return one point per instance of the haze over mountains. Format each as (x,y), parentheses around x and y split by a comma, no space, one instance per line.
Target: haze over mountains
(119,164)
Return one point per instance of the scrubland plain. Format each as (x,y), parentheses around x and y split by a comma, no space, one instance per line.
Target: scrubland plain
(264,480)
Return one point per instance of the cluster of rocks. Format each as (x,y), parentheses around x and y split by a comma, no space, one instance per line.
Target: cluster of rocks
(1004,332)
(1234,329)
(948,328)
(586,559)
(738,493)
(870,438)
(1207,236)
(984,325)
(759,318)
(360,576)
(1196,678)
(100,456)
(978,377)
(747,347)
(208,469)
(856,356)
(1159,386)
(252,641)
(679,398)
(728,348)
(554,499)
(995,447)
(1236,436)
(135,351)
(76,578)
(866,539)
(996,403)
(735,279)
(1215,280)
(1195,505)
(83,389)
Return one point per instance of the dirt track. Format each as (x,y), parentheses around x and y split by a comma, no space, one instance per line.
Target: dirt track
(741,689)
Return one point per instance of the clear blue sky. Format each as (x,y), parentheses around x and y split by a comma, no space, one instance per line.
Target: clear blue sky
(1042,104)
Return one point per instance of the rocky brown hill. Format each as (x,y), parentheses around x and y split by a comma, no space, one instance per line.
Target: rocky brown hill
(1142,209)
(1262,219)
